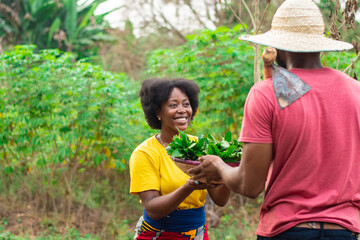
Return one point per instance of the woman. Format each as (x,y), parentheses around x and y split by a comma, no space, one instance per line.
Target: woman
(173,203)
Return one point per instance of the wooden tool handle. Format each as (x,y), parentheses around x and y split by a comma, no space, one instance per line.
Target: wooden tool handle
(269,57)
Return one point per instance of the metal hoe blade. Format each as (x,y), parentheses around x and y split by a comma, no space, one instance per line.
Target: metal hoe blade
(287,86)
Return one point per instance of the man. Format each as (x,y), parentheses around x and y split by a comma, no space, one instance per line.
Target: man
(307,153)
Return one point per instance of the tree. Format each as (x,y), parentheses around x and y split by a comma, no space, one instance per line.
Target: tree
(177,18)
(342,25)
(61,24)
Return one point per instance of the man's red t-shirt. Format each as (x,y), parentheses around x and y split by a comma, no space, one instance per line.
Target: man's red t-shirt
(315,173)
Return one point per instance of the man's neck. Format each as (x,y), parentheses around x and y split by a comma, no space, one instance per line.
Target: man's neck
(303,60)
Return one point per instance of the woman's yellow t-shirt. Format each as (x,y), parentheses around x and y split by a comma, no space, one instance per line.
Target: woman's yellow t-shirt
(151,168)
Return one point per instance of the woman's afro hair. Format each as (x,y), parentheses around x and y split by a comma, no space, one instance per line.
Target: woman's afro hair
(154,92)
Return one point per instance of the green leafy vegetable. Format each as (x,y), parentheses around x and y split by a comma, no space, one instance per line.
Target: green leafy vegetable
(184,148)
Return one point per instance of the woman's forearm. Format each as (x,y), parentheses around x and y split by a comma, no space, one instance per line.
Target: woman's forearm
(160,206)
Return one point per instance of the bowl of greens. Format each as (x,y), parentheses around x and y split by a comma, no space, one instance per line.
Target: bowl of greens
(185,152)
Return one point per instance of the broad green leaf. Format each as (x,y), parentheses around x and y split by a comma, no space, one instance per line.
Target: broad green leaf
(184,137)
(45,12)
(8,169)
(228,136)
(84,22)
(213,150)
(177,153)
(70,20)
(53,28)
(228,152)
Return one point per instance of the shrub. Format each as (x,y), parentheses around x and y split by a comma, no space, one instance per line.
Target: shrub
(54,110)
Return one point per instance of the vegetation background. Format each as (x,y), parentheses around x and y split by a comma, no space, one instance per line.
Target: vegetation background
(70,115)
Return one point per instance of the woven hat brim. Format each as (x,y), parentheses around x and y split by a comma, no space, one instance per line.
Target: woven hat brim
(297,42)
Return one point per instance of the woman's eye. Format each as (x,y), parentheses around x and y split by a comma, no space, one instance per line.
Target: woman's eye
(187,104)
(173,105)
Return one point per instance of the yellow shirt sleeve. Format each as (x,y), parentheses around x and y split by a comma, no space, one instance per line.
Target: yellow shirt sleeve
(143,169)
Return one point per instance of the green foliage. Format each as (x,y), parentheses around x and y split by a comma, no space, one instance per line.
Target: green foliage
(228,149)
(238,220)
(182,147)
(343,62)
(56,111)
(59,24)
(221,65)
(70,235)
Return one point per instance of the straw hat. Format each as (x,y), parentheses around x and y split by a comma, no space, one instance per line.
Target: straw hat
(298,26)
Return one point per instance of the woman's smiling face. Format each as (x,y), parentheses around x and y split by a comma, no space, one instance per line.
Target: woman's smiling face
(176,112)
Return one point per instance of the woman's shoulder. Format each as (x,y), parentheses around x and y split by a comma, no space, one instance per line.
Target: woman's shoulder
(149,149)
(147,145)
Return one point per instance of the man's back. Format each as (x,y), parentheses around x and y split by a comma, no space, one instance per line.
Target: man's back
(316,171)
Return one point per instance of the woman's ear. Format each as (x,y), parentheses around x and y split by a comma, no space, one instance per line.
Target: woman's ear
(158,115)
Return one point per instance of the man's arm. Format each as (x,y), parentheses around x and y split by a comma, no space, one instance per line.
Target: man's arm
(248,178)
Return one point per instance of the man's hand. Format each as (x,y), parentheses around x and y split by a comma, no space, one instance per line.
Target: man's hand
(209,168)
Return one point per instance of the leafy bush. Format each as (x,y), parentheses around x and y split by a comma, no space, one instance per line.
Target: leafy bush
(54,110)
(72,234)
(61,121)
(343,62)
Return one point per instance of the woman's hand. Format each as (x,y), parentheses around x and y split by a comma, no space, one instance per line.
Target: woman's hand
(196,185)
(208,169)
